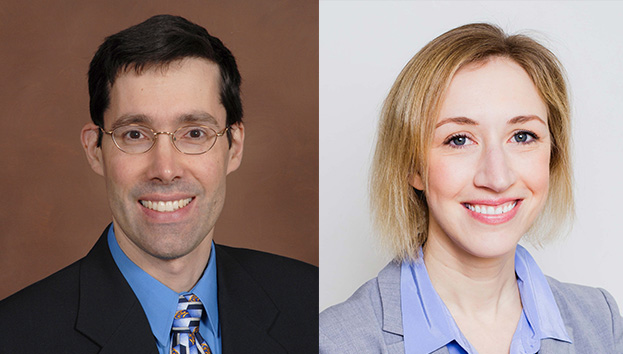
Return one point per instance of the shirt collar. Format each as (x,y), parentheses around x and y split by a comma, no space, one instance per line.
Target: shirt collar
(537,298)
(160,302)
(428,324)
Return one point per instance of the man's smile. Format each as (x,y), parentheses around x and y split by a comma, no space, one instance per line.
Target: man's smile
(165,206)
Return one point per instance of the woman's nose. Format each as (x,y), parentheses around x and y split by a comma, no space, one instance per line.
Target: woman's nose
(495,170)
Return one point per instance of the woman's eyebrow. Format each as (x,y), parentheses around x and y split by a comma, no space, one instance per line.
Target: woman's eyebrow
(469,121)
(523,119)
(456,120)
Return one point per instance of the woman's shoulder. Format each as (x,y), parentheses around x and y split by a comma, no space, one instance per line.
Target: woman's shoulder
(591,314)
(582,298)
(369,321)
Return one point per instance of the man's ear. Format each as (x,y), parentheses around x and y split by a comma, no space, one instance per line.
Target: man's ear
(237,145)
(89,136)
(415,180)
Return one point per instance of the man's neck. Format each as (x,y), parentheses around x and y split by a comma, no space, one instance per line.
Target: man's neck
(179,274)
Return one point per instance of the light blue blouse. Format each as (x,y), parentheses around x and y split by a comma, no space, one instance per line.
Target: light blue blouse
(428,324)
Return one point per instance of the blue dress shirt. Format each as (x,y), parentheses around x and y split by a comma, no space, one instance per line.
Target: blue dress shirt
(428,324)
(160,303)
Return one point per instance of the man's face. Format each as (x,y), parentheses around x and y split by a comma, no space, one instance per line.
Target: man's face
(187,91)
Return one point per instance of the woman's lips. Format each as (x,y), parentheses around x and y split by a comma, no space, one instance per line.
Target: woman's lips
(493,213)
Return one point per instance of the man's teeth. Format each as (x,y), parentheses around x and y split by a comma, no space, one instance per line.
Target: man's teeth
(491,210)
(166,206)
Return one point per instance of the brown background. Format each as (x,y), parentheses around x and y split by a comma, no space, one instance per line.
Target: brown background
(54,206)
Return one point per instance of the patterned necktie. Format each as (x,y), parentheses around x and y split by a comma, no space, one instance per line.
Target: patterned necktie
(186,337)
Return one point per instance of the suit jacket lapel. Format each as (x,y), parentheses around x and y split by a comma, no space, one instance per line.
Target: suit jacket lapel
(389,289)
(109,313)
(245,310)
(554,346)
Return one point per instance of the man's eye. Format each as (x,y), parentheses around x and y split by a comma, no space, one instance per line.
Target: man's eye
(196,133)
(134,135)
(193,133)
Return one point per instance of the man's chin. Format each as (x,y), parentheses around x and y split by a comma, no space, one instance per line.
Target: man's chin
(174,246)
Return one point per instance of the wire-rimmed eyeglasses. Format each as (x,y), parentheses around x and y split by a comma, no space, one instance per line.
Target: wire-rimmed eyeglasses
(189,139)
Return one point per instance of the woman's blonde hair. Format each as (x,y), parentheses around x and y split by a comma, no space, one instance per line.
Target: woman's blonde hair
(409,116)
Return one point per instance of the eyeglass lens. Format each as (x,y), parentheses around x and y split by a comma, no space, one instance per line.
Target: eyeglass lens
(194,139)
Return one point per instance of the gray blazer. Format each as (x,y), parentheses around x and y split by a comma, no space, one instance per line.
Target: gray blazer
(370,321)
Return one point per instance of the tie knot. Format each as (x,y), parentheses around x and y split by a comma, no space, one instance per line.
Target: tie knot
(188,314)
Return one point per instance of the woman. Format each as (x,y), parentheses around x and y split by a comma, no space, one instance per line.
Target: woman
(473,154)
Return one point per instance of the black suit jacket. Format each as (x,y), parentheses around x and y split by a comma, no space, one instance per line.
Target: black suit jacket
(267,304)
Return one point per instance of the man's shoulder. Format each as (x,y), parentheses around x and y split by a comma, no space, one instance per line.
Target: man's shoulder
(54,289)
(266,266)
(269,290)
(48,308)
(285,280)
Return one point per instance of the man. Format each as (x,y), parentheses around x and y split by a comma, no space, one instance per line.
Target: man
(166,131)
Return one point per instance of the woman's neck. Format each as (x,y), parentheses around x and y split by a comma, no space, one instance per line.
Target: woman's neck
(480,293)
(483,288)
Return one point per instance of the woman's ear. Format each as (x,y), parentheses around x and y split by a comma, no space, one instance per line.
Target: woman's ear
(415,180)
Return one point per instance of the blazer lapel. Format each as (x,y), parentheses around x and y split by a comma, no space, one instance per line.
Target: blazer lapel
(389,288)
(109,313)
(554,346)
(245,310)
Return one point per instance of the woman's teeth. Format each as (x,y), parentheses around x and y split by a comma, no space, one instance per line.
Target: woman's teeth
(491,210)
(166,206)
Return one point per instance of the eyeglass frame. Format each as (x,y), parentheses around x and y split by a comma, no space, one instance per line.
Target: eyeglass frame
(170,134)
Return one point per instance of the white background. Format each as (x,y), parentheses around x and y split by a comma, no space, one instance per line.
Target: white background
(363,47)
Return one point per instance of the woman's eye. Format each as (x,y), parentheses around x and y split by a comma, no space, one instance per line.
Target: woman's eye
(524,137)
(458,141)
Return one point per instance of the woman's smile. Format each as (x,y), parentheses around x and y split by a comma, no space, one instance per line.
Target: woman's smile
(493,212)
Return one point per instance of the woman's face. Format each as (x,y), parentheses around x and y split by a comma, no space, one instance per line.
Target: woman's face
(488,164)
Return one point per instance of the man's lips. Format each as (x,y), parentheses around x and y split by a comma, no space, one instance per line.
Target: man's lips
(166,206)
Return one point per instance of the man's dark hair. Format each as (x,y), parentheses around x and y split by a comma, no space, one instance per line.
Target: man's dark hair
(158,41)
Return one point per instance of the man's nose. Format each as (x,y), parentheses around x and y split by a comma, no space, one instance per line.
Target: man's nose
(495,170)
(165,164)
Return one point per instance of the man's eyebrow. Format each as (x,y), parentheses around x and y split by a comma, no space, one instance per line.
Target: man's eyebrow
(195,117)
(199,117)
(523,119)
(131,119)
(456,120)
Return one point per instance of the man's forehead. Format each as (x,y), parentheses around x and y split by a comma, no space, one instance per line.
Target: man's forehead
(160,67)
(185,91)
